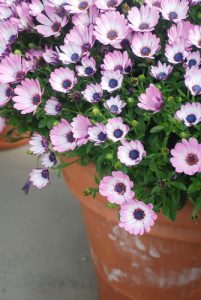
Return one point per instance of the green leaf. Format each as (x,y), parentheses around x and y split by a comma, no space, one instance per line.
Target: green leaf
(178,184)
(194,187)
(157,128)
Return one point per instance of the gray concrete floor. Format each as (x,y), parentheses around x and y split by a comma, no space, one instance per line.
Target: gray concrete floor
(43,246)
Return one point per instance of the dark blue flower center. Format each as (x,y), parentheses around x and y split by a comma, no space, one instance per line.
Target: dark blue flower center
(96,97)
(86,47)
(173,15)
(75,57)
(56,26)
(139,214)
(118,133)
(9,92)
(12,39)
(66,84)
(58,107)
(162,76)
(70,138)
(113,83)
(125,43)
(192,62)
(83,5)
(36,99)
(143,26)
(44,143)
(127,69)
(178,57)
(102,136)
(134,154)
(88,71)
(111,3)
(112,35)
(45,174)
(191,118)
(52,158)
(145,51)
(114,109)
(120,188)
(191,159)
(197,89)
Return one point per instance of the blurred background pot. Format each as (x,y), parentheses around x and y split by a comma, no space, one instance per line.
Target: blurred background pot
(17,140)
(165,264)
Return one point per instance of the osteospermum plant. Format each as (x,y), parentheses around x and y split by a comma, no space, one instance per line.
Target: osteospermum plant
(113,82)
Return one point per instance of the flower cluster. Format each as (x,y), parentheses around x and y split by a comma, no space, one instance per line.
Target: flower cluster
(119,77)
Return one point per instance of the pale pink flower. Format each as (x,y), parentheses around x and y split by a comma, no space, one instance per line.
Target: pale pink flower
(71,53)
(88,67)
(53,107)
(78,6)
(111,80)
(13,68)
(39,177)
(111,28)
(136,217)
(176,53)
(117,188)
(62,137)
(97,134)
(180,31)
(51,23)
(86,18)
(193,59)
(152,100)
(131,153)
(48,160)
(108,4)
(174,10)
(186,157)
(193,80)
(80,127)
(116,60)
(145,45)
(161,71)
(195,36)
(62,79)
(115,105)
(144,18)
(39,144)
(116,130)
(93,93)
(28,96)
(189,113)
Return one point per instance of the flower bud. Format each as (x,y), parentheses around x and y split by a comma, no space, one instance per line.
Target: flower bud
(134,123)
(109,156)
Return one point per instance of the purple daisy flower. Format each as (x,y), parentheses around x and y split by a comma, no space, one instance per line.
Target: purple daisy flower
(115,105)
(193,80)
(39,144)
(108,4)
(117,188)
(51,56)
(186,157)
(86,19)
(174,10)
(189,113)
(116,130)
(13,68)
(154,3)
(62,137)
(39,177)
(71,53)
(88,67)
(136,217)
(145,45)
(93,93)
(131,153)
(78,6)
(176,53)
(62,79)
(111,80)
(161,71)
(48,160)
(180,31)
(80,127)
(117,61)
(53,107)
(195,36)
(28,96)
(193,59)
(97,134)
(152,100)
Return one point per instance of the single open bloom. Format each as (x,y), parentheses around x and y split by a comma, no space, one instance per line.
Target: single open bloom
(80,126)
(193,59)
(193,80)
(136,217)
(53,107)
(28,96)
(111,28)
(117,61)
(48,160)
(62,137)
(39,177)
(117,188)
(78,6)
(174,10)
(176,53)
(111,80)
(88,67)
(161,71)
(145,45)
(115,105)
(39,144)
(97,134)
(186,157)
(144,18)
(131,153)
(93,93)
(88,18)
(195,36)
(6,93)
(189,113)
(108,4)
(62,79)
(116,130)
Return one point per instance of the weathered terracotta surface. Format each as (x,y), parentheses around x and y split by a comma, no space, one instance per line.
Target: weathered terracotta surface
(162,265)
(6,144)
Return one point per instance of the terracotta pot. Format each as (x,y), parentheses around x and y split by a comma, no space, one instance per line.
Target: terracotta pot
(165,264)
(5,144)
